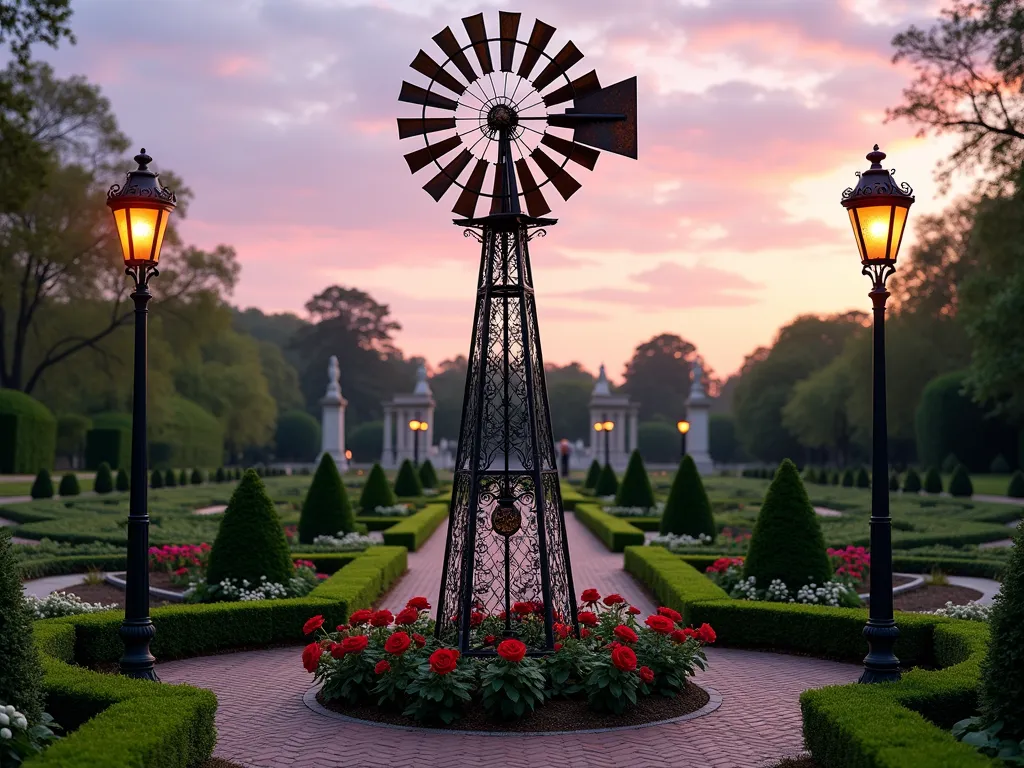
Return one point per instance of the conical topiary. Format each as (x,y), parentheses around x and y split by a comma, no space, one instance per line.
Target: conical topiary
(326,510)
(787,542)
(848,478)
(999,466)
(863,480)
(69,485)
(894,481)
(593,474)
(1016,488)
(407,483)
(635,489)
(912,482)
(250,542)
(21,677)
(197,477)
(607,483)
(170,479)
(950,463)
(183,478)
(156,479)
(1002,671)
(836,477)
(960,483)
(42,487)
(428,476)
(376,491)
(122,482)
(220,476)
(687,510)
(810,474)
(238,473)
(104,482)
(932,481)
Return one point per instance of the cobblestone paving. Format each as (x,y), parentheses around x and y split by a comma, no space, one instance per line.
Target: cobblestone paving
(262,722)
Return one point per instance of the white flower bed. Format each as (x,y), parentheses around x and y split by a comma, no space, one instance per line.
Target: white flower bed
(431,491)
(395,510)
(58,604)
(971,612)
(654,511)
(346,542)
(9,716)
(672,542)
(830,593)
(231,589)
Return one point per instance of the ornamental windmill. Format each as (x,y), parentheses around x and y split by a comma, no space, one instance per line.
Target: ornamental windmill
(506,534)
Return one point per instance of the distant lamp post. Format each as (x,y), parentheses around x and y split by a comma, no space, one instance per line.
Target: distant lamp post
(683,426)
(606,427)
(348,455)
(417,426)
(878,209)
(141,209)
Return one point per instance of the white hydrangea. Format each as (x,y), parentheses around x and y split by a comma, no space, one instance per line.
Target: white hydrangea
(777,592)
(746,589)
(431,491)
(654,511)
(346,542)
(672,542)
(58,604)
(9,716)
(971,612)
(395,510)
(230,589)
(830,593)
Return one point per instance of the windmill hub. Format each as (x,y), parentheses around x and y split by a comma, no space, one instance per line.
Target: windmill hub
(502,117)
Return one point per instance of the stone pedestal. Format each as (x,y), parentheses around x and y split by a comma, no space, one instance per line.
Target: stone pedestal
(332,420)
(399,440)
(605,406)
(698,413)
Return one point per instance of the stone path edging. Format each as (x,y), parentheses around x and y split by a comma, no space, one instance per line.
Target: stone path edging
(163,594)
(916,582)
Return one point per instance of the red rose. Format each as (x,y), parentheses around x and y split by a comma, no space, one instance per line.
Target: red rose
(420,640)
(419,603)
(558,646)
(706,634)
(613,600)
(476,619)
(624,658)
(587,618)
(312,625)
(381,619)
(584,633)
(397,644)
(562,631)
(443,660)
(670,614)
(383,666)
(355,644)
(689,632)
(311,656)
(660,624)
(489,640)
(633,610)
(512,650)
(337,651)
(647,674)
(590,596)
(342,627)
(407,616)
(625,634)
(679,636)
(360,617)
(522,609)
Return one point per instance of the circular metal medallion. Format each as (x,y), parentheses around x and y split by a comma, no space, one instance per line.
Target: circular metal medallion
(506,519)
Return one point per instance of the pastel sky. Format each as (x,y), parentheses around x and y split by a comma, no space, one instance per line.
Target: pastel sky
(753,117)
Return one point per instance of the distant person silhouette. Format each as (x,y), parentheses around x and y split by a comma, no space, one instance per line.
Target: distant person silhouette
(565,450)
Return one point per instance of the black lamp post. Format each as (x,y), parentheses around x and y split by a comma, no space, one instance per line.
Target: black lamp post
(683,426)
(878,209)
(141,208)
(416,426)
(606,427)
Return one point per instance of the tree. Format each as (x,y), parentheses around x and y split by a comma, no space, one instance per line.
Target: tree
(366,441)
(282,378)
(21,677)
(407,482)
(635,489)
(687,509)
(569,389)
(658,377)
(326,510)
(376,491)
(297,437)
(658,441)
(723,444)
(448,383)
(817,410)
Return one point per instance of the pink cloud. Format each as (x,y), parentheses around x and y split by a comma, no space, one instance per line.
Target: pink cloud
(674,286)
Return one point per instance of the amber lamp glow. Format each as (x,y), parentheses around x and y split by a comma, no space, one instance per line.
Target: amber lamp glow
(141,208)
(878,209)
(683,427)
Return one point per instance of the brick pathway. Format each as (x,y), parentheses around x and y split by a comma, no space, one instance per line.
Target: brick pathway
(262,722)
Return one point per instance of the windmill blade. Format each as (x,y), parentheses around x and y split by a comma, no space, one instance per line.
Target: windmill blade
(413,94)
(618,136)
(562,180)
(428,67)
(421,158)
(446,41)
(578,153)
(577,89)
(498,190)
(563,60)
(440,184)
(478,36)
(536,205)
(539,39)
(466,204)
(508,25)
(416,126)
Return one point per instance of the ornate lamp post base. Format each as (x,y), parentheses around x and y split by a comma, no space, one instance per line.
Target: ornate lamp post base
(881,664)
(137,661)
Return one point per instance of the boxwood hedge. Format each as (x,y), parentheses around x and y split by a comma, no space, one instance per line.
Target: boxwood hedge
(615,532)
(415,529)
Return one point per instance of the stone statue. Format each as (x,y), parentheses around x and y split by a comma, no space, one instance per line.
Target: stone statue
(698,376)
(422,386)
(333,373)
(601,386)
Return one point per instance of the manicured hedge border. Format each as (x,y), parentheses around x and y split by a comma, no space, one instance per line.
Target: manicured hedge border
(571,498)
(416,528)
(849,726)
(38,568)
(615,532)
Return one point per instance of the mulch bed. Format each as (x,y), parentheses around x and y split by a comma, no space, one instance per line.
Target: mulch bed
(107,594)
(555,715)
(930,598)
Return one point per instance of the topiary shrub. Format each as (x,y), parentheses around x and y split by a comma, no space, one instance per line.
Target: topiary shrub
(376,491)
(104,482)
(42,487)
(949,463)
(912,482)
(21,676)
(810,474)
(109,440)
(250,542)
(156,479)
(960,483)
(220,476)
(687,510)
(1016,488)
(326,509)
(607,483)
(69,485)
(428,476)
(894,481)
(407,483)
(863,480)
(635,489)
(122,482)
(197,477)
(932,481)
(593,474)
(836,477)
(787,542)
(183,478)
(28,434)
(848,478)
(238,473)
(1002,670)
(170,479)
(999,465)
